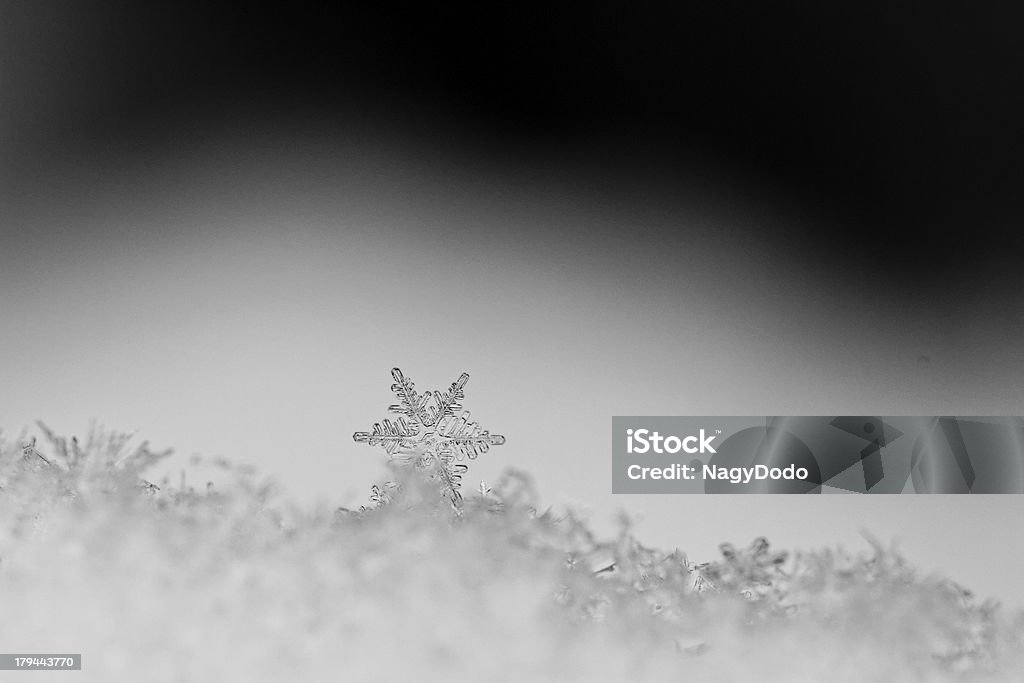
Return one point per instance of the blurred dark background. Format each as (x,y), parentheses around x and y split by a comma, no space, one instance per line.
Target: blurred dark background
(896,124)
(221,227)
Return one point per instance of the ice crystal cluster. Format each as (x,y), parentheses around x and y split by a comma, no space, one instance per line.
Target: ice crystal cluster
(430,435)
(161,582)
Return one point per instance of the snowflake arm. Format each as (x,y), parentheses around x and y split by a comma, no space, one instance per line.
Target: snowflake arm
(464,439)
(445,404)
(393,436)
(410,403)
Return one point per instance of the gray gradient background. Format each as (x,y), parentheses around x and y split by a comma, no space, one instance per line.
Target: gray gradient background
(238,279)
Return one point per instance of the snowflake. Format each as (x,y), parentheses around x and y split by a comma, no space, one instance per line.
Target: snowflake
(430,433)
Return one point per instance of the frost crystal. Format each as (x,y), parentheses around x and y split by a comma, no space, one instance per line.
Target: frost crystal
(429,433)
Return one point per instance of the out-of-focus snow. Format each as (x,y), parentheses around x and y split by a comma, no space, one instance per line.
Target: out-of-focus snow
(236,583)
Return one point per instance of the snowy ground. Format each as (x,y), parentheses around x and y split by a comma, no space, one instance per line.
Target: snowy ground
(236,583)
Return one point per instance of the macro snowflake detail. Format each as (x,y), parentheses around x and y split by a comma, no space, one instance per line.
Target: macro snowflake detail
(430,434)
